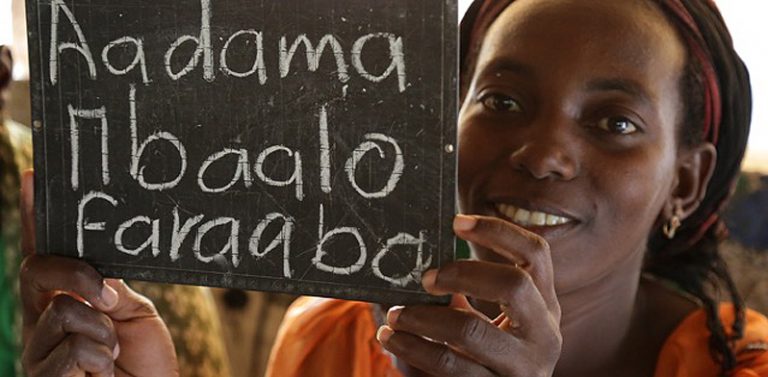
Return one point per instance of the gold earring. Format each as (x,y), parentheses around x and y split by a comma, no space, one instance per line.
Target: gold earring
(671,227)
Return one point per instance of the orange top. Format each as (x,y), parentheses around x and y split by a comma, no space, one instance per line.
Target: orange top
(686,351)
(329,338)
(334,338)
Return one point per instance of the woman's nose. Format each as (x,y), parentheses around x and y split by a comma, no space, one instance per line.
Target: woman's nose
(547,153)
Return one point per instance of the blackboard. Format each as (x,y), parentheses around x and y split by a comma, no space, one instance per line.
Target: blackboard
(303,146)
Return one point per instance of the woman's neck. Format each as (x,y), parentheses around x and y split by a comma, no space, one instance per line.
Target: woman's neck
(623,326)
(598,320)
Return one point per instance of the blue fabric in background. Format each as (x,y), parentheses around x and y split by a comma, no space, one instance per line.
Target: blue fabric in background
(747,215)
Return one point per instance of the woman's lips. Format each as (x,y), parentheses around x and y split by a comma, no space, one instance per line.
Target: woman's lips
(525,217)
(545,224)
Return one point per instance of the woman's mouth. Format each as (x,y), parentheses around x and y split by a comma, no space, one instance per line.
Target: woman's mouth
(529,218)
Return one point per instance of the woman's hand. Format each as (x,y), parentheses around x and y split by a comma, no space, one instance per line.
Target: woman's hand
(78,324)
(523,341)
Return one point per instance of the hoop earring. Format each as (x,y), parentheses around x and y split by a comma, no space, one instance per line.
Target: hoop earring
(671,227)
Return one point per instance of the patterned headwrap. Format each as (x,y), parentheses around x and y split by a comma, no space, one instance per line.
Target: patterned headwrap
(728,132)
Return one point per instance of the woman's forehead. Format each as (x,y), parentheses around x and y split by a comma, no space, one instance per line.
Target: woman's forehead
(588,12)
(575,43)
(618,36)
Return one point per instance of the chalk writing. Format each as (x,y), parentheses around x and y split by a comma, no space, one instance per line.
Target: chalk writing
(242,170)
(57,47)
(258,64)
(396,54)
(74,137)
(153,239)
(325,152)
(83,225)
(138,59)
(295,179)
(179,233)
(288,146)
(325,236)
(421,264)
(283,238)
(313,55)
(365,147)
(204,49)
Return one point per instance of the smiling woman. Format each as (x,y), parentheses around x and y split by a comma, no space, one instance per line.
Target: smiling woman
(598,142)
(621,185)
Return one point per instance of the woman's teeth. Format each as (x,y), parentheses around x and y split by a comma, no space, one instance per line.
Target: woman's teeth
(527,218)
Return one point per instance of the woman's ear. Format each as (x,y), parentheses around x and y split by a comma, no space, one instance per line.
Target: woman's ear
(695,166)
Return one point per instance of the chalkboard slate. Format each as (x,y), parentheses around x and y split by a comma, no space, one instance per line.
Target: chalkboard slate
(302,146)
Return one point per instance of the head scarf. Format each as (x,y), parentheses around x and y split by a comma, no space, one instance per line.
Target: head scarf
(721,70)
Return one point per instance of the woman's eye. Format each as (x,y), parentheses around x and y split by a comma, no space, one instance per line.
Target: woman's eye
(500,102)
(617,125)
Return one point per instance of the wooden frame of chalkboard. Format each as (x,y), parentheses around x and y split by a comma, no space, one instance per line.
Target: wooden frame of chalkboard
(300,146)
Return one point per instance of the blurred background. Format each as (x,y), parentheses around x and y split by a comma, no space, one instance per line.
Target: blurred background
(226,332)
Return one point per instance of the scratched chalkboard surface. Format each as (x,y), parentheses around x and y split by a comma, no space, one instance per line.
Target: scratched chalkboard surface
(302,146)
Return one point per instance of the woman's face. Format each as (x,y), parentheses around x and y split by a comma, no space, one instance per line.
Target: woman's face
(569,129)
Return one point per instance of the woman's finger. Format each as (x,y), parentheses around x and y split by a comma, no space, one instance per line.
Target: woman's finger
(462,303)
(27,212)
(131,305)
(43,274)
(516,245)
(509,286)
(435,359)
(63,317)
(473,336)
(76,355)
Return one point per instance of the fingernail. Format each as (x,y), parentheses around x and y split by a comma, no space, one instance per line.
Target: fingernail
(116,352)
(429,279)
(384,334)
(393,314)
(463,223)
(108,296)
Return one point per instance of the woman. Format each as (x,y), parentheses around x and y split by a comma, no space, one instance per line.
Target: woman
(626,120)
(590,129)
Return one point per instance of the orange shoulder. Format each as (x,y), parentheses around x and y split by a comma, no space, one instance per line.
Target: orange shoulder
(328,337)
(686,351)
